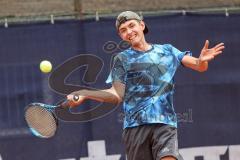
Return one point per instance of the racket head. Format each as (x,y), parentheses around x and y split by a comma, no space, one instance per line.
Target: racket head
(41,120)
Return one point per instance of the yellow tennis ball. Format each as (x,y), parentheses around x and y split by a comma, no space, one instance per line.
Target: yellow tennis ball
(45,66)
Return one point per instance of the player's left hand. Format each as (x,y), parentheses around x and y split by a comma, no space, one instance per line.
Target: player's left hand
(208,54)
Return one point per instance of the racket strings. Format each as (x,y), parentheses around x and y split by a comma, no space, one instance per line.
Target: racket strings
(41,120)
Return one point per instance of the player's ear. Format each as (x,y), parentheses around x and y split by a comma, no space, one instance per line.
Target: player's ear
(142,24)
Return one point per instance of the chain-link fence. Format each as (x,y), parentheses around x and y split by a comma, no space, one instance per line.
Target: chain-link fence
(49,10)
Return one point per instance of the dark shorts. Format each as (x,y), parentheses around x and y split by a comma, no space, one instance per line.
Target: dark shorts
(151,142)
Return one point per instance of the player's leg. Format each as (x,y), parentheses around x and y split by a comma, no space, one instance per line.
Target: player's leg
(137,142)
(168,158)
(165,143)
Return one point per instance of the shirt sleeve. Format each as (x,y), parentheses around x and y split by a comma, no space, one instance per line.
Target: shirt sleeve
(118,72)
(179,54)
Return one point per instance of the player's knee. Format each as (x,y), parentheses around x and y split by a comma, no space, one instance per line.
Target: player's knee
(168,158)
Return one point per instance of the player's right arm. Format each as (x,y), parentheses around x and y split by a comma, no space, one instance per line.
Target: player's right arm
(114,95)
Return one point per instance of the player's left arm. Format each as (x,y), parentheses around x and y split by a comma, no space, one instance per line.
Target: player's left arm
(207,54)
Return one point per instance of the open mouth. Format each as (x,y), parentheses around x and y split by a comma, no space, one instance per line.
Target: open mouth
(132,38)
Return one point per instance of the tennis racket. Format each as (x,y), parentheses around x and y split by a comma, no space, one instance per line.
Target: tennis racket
(41,119)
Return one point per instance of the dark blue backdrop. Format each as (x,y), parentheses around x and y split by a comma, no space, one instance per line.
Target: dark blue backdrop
(208,103)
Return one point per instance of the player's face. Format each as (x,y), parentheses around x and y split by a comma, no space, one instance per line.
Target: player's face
(132,31)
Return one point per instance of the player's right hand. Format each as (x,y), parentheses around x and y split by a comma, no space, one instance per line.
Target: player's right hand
(75,100)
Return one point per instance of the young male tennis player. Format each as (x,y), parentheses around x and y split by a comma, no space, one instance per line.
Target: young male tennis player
(142,78)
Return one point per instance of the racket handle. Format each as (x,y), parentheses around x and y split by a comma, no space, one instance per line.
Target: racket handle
(65,104)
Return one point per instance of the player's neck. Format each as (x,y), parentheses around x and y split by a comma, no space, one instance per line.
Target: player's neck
(142,46)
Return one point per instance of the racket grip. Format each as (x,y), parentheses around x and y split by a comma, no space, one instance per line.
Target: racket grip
(65,104)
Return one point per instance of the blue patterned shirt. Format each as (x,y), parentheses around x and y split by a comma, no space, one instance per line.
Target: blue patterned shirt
(149,80)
